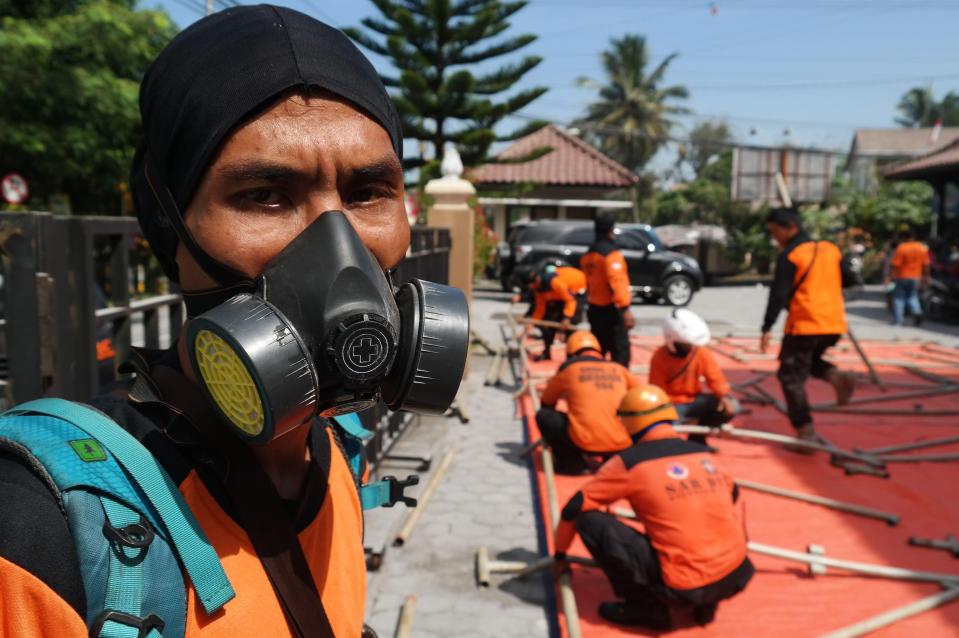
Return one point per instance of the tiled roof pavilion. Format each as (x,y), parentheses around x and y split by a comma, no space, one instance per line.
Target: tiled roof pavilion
(572,162)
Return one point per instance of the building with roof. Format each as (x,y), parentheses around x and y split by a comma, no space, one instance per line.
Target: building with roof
(572,181)
(941,169)
(872,149)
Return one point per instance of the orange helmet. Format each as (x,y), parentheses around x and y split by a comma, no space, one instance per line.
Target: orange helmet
(644,406)
(581,340)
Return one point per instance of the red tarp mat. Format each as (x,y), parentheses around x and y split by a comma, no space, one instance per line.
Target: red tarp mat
(782,600)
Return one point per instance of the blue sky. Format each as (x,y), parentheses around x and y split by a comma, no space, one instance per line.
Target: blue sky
(819,68)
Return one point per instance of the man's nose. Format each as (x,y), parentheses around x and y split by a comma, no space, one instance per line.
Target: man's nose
(323,201)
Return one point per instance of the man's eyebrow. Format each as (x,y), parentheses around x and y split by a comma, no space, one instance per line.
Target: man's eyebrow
(387,168)
(252,171)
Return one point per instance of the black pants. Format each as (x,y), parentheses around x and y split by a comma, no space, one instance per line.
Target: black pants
(632,566)
(801,356)
(554,426)
(554,312)
(606,322)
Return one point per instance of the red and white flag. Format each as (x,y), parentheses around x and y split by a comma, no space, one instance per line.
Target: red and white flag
(936,130)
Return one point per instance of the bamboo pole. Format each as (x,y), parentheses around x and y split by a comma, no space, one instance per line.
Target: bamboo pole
(566,594)
(895,615)
(920,458)
(404,628)
(868,569)
(423,499)
(928,376)
(890,518)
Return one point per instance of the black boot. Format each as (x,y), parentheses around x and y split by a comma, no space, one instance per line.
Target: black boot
(650,615)
(704,614)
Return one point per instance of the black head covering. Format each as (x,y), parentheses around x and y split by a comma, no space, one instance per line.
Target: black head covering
(217,74)
(604,223)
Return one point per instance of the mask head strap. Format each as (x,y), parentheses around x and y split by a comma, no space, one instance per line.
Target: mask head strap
(221,273)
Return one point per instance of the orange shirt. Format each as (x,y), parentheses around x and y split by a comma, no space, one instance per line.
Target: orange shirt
(607,275)
(817,306)
(682,498)
(593,388)
(910,260)
(681,377)
(564,285)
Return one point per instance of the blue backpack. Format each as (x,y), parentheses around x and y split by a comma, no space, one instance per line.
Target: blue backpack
(130,524)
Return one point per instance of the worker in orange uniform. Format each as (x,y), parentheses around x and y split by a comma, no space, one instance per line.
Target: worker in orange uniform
(808,283)
(559,295)
(693,552)
(610,318)
(592,388)
(680,364)
(910,271)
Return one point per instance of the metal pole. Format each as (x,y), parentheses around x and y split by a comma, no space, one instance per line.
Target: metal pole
(883,571)
(889,518)
(731,432)
(911,446)
(423,498)
(895,615)
(872,371)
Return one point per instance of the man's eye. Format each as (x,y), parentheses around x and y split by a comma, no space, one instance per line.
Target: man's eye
(370,193)
(264,197)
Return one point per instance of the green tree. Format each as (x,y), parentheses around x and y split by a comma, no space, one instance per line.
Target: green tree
(919,107)
(634,113)
(882,214)
(707,140)
(436,47)
(69,77)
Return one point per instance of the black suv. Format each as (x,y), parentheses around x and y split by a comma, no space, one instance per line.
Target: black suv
(654,272)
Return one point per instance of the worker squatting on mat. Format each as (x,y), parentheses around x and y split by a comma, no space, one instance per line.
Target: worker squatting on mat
(678,366)
(269,184)
(693,553)
(607,280)
(592,387)
(559,295)
(808,283)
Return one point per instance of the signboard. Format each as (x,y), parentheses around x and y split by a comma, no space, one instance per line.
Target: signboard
(14,188)
(808,174)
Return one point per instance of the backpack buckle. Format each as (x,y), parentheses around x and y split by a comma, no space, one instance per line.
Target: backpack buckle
(137,535)
(396,490)
(143,625)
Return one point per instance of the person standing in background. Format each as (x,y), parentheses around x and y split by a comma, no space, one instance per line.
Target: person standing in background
(909,271)
(610,318)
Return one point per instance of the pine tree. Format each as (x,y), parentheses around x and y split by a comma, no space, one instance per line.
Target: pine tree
(435,47)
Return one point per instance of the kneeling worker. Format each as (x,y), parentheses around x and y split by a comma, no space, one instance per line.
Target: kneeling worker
(592,388)
(559,295)
(693,554)
(678,366)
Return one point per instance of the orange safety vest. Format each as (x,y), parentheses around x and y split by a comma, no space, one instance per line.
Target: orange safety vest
(816,306)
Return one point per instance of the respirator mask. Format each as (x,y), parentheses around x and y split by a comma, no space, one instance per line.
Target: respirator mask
(323,332)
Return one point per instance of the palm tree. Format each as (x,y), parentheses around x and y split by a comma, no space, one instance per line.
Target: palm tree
(919,108)
(633,115)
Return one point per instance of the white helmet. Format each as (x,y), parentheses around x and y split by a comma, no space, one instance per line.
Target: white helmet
(685,326)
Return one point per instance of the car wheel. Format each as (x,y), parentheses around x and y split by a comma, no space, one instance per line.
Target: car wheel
(678,290)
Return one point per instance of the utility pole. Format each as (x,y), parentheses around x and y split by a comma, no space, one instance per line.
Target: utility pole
(209,7)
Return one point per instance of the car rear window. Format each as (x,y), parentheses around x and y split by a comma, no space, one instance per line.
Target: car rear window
(544,234)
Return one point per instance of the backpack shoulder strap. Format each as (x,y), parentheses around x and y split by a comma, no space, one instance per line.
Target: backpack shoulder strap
(384,493)
(81,446)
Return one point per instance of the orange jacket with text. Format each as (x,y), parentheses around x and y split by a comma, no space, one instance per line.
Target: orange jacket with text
(683,499)
(681,377)
(606,274)
(592,388)
(910,260)
(563,285)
